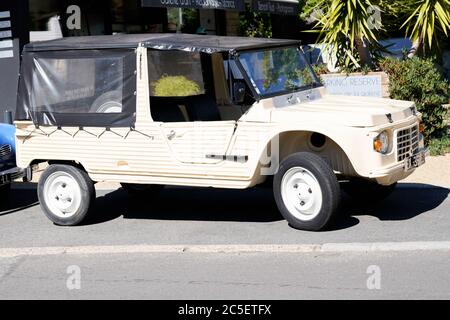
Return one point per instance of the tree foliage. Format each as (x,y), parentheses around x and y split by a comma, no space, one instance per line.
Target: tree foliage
(255,24)
(309,7)
(394,13)
(427,23)
(347,31)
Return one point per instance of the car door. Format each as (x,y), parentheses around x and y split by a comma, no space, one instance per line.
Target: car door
(199,141)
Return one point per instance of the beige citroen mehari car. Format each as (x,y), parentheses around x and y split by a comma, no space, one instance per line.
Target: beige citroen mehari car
(208,111)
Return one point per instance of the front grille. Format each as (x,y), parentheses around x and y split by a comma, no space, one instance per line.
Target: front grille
(407,142)
(5,151)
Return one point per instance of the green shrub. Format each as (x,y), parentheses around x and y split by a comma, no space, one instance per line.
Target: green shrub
(420,81)
(439,146)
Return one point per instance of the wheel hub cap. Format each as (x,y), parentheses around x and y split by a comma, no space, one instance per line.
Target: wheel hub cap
(62,194)
(301,193)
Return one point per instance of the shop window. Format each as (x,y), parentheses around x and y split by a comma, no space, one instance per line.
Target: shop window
(52,30)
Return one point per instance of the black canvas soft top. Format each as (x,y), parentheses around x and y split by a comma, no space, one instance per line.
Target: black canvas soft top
(160,41)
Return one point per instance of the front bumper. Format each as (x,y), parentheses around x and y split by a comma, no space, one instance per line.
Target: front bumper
(399,171)
(7,176)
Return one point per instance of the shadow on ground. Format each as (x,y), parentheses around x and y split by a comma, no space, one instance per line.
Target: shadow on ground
(257,205)
(406,202)
(197,204)
(18,199)
(251,205)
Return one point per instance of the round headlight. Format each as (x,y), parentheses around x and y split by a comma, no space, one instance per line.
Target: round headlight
(381,142)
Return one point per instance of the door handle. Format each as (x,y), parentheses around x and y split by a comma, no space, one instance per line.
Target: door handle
(171,134)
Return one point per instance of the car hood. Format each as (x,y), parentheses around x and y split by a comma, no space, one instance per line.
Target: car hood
(345,110)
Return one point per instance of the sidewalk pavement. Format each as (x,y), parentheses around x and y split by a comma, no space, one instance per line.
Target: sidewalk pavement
(435,172)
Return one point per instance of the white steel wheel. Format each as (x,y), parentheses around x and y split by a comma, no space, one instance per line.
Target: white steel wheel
(306,191)
(65,194)
(62,194)
(301,193)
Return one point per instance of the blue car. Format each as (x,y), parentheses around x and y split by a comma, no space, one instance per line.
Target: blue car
(7,154)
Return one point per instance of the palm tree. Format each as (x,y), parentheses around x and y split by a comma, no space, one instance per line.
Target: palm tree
(428,20)
(347,32)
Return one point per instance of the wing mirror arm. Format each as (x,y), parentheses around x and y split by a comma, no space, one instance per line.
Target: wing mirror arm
(238,92)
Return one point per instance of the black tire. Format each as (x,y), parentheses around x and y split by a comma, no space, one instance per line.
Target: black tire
(82,181)
(142,190)
(108,98)
(363,191)
(329,188)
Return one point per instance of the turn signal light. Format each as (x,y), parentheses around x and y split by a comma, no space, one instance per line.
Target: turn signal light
(377,145)
(381,142)
(421,127)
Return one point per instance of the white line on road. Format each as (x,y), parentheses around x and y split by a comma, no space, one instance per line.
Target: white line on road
(229,248)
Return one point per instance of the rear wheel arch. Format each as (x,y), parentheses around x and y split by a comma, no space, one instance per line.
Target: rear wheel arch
(73,163)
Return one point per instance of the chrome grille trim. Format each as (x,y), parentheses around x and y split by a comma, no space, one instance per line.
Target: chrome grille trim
(5,150)
(407,142)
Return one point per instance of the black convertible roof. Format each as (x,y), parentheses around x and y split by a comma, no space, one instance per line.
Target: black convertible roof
(161,41)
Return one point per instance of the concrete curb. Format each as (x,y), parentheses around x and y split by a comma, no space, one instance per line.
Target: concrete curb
(231,249)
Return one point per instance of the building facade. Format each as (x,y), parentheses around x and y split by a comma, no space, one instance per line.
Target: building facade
(22,21)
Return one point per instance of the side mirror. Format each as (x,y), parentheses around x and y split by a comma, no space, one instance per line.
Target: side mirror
(7,117)
(238,92)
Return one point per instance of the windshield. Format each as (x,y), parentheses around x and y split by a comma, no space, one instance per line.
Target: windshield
(276,71)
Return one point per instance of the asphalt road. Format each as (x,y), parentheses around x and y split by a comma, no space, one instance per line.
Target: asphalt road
(414,212)
(227,276)
(195,217)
